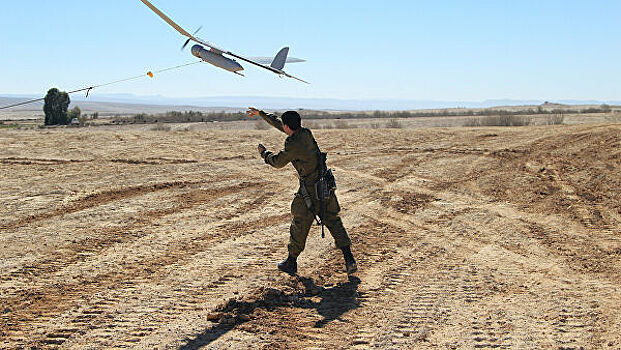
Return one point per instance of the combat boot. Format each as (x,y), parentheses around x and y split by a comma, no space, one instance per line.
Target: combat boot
(350,262)
(289,266)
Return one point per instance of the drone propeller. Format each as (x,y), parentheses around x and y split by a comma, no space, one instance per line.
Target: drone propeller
(188,41)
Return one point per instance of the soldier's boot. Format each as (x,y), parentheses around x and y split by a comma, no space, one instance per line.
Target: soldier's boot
(290,265)
(350,262)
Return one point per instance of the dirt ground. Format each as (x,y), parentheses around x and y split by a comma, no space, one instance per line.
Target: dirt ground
(466,238)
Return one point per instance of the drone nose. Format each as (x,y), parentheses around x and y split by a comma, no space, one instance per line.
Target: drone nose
(196,50)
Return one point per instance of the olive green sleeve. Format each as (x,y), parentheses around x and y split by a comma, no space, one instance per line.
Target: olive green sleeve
(282,158)
(272,120)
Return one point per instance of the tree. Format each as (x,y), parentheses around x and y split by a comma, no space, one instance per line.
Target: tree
(55,107)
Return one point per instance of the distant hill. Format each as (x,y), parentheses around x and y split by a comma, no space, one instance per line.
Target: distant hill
(124,104)
(279,103)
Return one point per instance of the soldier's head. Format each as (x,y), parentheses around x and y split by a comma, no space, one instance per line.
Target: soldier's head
(291,120)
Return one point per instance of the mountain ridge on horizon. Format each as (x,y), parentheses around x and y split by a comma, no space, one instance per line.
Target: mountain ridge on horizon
(272,102)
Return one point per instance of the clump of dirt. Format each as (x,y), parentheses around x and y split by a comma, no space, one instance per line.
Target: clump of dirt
(239,310)
(299,292)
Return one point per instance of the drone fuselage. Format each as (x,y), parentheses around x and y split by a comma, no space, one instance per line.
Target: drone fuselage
(216,59)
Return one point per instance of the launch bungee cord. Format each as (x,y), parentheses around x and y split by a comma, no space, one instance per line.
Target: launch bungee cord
(150,74)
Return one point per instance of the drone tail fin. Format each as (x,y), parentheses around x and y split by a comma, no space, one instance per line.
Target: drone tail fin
(280,59)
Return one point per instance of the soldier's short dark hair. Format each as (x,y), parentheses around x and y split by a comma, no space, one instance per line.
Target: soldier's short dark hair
(292,120)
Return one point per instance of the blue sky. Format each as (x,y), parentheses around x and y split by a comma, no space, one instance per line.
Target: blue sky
(427,50)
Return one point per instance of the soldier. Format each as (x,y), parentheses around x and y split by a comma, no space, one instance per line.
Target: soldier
(302,151)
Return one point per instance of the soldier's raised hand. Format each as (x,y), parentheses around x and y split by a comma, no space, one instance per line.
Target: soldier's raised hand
(252,112)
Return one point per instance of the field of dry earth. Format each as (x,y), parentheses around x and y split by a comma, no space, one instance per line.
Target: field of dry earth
(481,238)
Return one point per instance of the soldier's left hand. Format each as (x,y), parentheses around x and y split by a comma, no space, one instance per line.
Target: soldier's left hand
(261,149)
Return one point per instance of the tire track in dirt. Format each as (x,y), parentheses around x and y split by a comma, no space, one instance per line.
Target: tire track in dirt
(513,269)
(22,303)
(415,318)
(125,288)
(40,161)
(489,324)
(571,174)
(97,199)
(408,162)
(407,306)
(551,315)
(425,303)
(80,250)
(56,161)
(153,161)
(493,331)
(572,251)
(225,317)
(382,246)
(573,322)
(222,279)
(568,247)
(510,159)
(226,322)
(395,277)
(397,281)
(178,252)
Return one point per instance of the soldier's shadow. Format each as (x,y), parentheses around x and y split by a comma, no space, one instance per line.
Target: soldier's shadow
(333,302)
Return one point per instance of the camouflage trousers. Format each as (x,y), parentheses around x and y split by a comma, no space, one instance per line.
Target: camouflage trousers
(303,219)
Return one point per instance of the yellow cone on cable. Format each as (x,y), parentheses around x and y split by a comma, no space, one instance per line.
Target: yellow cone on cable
(150,74)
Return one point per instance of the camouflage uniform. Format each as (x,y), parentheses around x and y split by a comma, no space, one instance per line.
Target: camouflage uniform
(301,151)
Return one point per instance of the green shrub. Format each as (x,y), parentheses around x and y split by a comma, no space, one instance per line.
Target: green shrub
(75,112)
(55,107)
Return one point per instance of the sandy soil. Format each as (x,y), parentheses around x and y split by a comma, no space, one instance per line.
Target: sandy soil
(466,238)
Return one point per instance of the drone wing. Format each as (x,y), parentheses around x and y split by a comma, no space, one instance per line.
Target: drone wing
(179,29)
(168,20)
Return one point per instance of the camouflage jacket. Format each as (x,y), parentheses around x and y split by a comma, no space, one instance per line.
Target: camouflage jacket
(300,149)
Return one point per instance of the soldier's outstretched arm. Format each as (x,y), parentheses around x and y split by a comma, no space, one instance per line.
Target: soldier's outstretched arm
(280,159)
(270,118)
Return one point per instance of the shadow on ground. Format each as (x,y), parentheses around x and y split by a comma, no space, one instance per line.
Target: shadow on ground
(333,303)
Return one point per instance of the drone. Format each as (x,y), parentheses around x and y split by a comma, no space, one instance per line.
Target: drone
(218,57)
